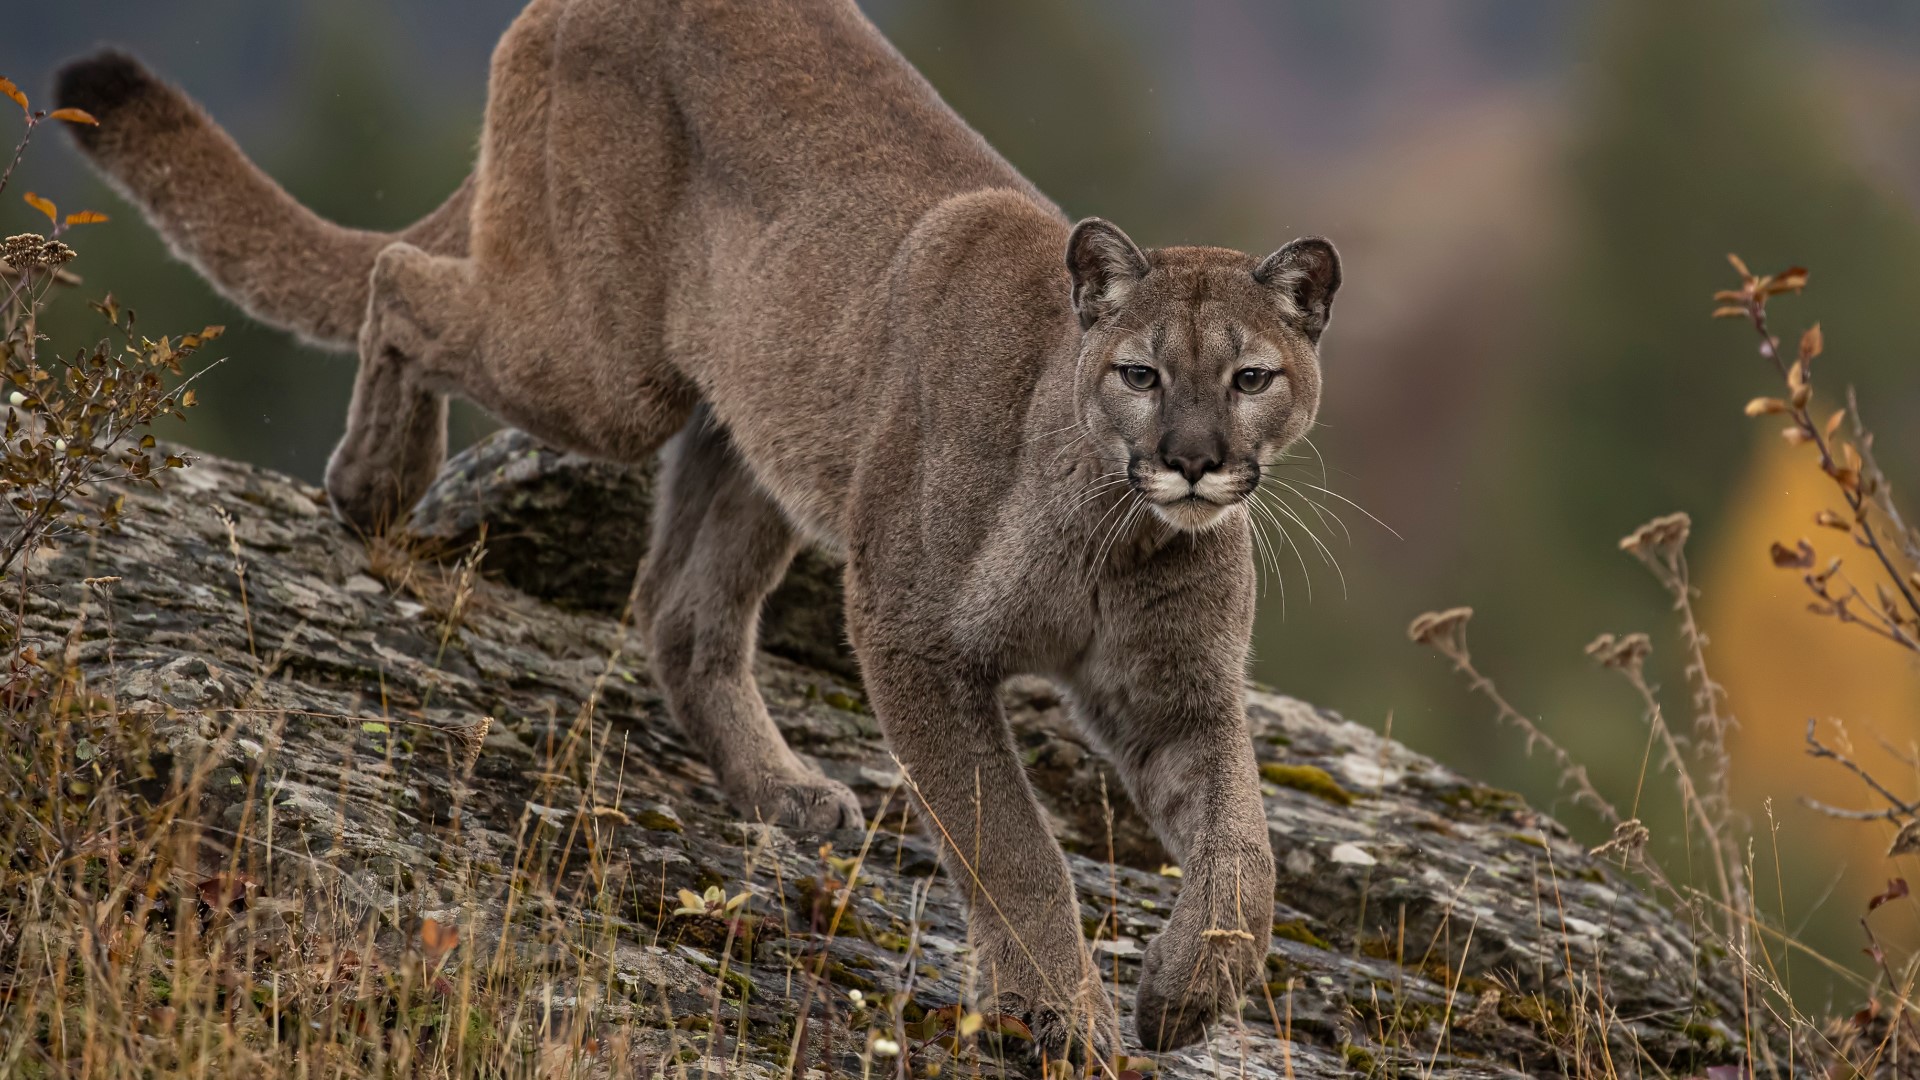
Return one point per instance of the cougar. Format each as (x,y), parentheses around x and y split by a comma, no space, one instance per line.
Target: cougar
(745,235)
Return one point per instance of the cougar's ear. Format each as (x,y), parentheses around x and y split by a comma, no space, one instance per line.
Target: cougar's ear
(1306,273)
(1105,264)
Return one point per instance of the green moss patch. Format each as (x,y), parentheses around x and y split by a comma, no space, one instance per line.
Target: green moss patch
(1308,778)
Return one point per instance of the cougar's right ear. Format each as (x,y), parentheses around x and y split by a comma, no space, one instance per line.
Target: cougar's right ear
(1105,265)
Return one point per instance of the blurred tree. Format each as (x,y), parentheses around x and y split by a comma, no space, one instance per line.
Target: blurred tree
(1700,136)
(1056,88)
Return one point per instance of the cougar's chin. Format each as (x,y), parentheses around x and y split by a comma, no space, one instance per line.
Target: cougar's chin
(1192,513)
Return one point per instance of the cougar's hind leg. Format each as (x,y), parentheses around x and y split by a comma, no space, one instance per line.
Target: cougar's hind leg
(719,546)
(422,328)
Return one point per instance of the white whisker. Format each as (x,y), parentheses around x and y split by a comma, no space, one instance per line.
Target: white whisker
(1281,525)
(1325,553)
(1319,509)
(1356,506)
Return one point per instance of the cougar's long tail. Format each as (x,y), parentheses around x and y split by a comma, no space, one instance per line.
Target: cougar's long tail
(279,261)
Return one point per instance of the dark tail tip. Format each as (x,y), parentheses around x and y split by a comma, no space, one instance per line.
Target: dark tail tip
(103,84)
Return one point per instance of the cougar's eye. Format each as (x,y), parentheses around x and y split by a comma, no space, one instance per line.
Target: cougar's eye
(1252,380)
(1139,376)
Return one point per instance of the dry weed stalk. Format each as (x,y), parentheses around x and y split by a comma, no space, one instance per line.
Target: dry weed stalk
(1884,1037)
(1446,633)
(1873,520)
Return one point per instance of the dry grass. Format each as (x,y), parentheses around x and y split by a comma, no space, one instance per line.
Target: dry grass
(142,937)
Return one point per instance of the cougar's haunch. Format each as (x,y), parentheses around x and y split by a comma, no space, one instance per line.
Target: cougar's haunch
(747,232)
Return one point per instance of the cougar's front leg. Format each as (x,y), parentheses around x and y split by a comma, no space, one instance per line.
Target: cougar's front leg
(421,328)
(719,546)
(1172,713)
(945,724)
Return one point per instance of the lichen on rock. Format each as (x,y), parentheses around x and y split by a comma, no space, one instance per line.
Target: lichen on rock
(429,746)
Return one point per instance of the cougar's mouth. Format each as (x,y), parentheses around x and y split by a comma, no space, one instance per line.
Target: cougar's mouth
(1185,504)
(1192,512)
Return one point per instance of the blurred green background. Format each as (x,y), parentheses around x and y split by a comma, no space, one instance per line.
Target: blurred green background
(1534,202)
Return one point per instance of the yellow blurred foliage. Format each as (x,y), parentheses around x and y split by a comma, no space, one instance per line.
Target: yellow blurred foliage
(1781,665)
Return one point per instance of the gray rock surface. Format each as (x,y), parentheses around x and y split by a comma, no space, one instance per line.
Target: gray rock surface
(1422,919)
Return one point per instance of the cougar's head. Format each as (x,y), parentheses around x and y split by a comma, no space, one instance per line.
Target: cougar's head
(1198,366)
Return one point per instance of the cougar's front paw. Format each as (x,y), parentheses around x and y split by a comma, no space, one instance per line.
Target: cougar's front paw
(1192,973)
(809,803)
(1083,1031)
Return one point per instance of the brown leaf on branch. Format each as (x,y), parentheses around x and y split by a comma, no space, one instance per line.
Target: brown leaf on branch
(7,89)
(1792,279)
(1896,890)
(1811,343)
(1765,406)
(73,116)
(44,206)
(1799,557)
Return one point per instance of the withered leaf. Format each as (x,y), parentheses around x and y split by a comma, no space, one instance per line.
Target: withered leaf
(1765,406)
(437,940)
(44,206)
(225,891)
(1896,890)
(1792,279)
(7,89)
(1799,557)
(1811,343)
(73,116)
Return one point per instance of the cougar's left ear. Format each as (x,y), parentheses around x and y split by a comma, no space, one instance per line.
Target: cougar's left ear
(1306,273)
(1105,265)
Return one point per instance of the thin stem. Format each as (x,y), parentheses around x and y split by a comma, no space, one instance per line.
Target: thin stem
(19,151)
(1757,314)
(1570,769)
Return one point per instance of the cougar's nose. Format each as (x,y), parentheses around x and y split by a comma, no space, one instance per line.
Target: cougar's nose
(1192,464)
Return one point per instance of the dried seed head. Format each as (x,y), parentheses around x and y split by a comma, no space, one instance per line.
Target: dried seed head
(472,738)
(1629,841)
(1444,630)
(1662,537)
(28,250)
(1628,652)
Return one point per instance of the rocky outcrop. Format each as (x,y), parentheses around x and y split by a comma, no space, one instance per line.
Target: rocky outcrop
(490,751)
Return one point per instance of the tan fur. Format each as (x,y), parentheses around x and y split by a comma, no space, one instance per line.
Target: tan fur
(751,228)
